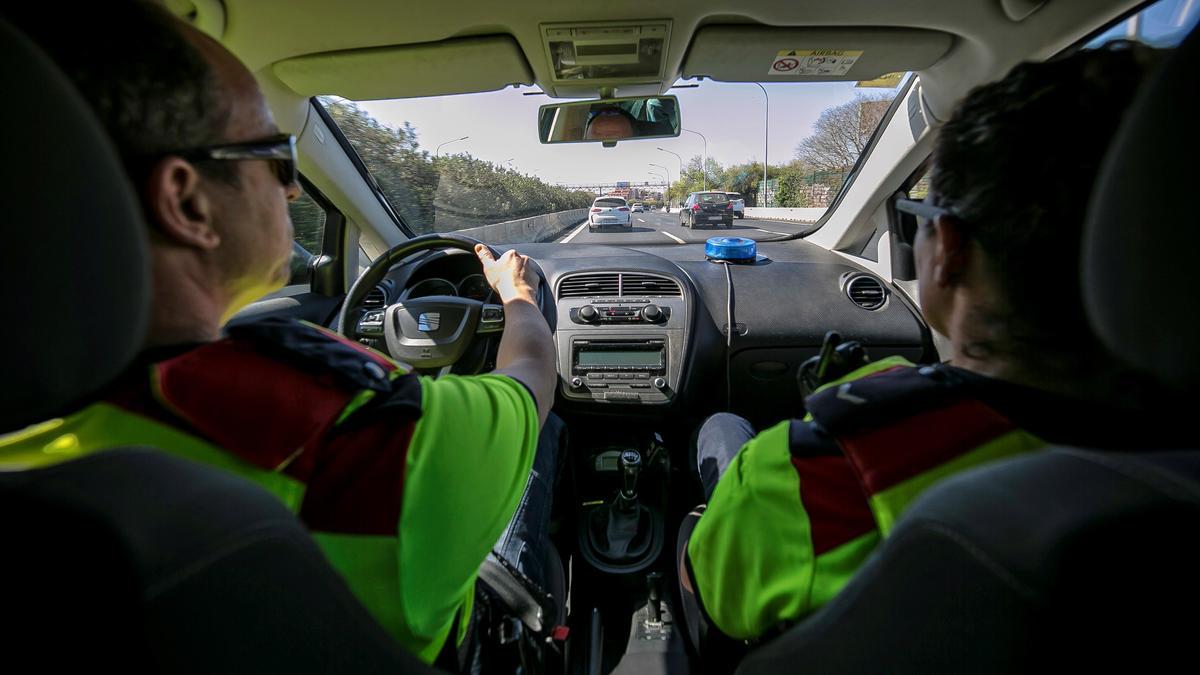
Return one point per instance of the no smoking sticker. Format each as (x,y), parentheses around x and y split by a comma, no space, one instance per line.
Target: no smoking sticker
(832,62)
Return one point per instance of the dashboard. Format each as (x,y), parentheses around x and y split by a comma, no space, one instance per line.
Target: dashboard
(644,331)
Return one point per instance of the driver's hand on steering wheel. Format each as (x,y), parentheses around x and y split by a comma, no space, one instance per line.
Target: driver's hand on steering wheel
(512,276)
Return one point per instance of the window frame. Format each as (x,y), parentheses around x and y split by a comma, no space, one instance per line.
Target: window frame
(361,167)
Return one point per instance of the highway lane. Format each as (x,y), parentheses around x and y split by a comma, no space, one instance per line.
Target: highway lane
(657,227)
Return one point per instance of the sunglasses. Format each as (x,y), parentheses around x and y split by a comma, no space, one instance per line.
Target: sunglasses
(278,150)
(918,211)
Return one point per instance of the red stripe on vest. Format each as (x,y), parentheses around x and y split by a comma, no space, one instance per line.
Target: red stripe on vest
(911,446)
(357,484)
(264,411)
(832,497)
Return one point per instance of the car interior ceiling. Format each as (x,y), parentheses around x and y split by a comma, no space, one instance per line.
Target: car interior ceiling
(1033,591)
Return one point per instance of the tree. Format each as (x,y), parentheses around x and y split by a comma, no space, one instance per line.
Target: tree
(441,194)
(842,132)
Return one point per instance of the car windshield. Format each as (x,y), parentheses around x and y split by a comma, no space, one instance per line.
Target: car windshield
(466,162)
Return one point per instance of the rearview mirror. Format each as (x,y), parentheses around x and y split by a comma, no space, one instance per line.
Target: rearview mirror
(609,120)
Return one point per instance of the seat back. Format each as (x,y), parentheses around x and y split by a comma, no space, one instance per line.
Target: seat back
(143,562)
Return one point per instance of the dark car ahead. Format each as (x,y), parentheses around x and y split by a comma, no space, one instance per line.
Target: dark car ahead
(706,208)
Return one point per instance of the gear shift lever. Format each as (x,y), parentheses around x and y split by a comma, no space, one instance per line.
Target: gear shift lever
(631,467)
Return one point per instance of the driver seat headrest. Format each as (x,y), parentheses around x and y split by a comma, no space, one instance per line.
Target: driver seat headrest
(1143,229)
(78,278)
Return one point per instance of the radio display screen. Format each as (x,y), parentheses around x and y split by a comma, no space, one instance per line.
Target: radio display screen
(612,357)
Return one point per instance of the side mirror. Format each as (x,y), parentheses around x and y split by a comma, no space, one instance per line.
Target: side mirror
(609,120)
(300,265)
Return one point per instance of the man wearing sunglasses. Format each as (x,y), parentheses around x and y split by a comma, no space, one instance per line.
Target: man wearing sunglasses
(794,511)
(406,482)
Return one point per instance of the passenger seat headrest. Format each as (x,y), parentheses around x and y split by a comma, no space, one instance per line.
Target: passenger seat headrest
(1143,229)
(77,283)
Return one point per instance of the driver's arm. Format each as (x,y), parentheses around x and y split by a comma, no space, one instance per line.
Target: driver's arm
(526,348)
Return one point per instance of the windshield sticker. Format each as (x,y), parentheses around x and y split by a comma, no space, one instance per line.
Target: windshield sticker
(832,62)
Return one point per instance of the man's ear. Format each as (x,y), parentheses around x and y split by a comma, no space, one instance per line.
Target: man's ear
(950,250)
(178,205)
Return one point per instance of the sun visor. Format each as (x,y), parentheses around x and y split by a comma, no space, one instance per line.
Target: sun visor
(764,54)
(458,66)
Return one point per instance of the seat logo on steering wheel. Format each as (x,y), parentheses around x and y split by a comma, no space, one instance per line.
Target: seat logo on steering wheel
(429,322)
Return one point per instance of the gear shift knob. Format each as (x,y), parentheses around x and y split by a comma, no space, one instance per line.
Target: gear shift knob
(631,466)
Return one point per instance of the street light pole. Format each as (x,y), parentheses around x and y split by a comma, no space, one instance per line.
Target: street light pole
(680,160)
(766,135)
(438,152)
(703,162)
(668,171)
(658,176)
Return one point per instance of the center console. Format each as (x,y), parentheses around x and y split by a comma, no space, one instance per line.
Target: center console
(621,337)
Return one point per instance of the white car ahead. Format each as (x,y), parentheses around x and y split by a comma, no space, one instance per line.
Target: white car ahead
(609,211)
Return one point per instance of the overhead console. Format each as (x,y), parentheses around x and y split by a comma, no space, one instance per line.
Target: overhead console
(583,57)
(624,337)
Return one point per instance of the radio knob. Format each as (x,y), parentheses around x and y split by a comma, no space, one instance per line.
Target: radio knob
(660,383)
(651,313)
(577,383)
(588,313)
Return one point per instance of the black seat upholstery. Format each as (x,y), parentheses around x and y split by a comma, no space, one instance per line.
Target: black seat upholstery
(130,560)
(139,560)
(1068,559)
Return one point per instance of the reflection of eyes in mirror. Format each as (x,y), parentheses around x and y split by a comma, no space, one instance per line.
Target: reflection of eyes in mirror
(609,120)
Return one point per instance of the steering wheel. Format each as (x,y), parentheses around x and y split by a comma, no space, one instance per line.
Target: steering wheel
(429,332)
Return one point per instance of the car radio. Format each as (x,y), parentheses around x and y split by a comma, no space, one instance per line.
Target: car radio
(616,367)
(621,311)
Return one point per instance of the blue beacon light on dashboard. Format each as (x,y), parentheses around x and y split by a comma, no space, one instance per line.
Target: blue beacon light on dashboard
(731,249)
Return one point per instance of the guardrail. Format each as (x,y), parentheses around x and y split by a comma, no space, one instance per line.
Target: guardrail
(538,228)
(810,215)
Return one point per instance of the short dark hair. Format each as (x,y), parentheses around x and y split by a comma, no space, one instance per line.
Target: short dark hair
(150,87)
(1016,162)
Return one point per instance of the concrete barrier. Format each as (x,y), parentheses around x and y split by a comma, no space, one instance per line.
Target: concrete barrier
(779,213)
(538,228)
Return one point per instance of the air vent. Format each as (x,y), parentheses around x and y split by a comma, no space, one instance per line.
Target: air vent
(376,298)
(866,292)
(585,285)
(644,284)
(614,284)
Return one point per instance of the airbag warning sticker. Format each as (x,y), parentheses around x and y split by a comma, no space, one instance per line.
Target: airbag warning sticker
(832,62)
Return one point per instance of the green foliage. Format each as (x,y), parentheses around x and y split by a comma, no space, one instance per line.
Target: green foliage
(308,219)
(442,194)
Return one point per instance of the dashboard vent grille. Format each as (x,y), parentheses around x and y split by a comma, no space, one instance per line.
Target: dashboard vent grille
(584,285)
(645,284)
(866,292)
(376,298)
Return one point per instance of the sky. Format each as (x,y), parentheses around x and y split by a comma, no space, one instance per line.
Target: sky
(502,126)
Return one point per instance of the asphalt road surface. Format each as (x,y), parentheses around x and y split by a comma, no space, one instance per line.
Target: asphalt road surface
(657,227)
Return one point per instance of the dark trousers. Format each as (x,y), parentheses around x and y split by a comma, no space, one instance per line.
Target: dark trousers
(525,541)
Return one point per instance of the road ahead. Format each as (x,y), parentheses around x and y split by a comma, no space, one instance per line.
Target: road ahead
(657,227)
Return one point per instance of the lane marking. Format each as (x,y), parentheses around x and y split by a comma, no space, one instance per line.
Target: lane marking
(673,237)
(642,221)
(786,234)
(571,236)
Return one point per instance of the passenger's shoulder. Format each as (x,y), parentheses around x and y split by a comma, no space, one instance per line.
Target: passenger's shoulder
(883,394)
